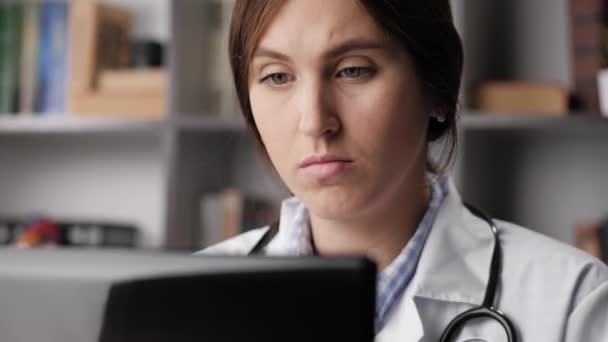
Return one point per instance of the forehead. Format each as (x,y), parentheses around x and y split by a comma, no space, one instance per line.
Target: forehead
(315,25)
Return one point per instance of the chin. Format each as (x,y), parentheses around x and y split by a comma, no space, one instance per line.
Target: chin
(330,204)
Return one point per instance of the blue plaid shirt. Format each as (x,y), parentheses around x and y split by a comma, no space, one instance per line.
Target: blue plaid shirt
(395,278)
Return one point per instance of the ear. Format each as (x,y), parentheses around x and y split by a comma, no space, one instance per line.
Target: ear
(439,117)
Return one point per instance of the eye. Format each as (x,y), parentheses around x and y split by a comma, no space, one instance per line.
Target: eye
(354,72)
(277,79)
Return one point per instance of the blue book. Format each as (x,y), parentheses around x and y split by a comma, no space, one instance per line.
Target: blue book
(52,58)
(10,16)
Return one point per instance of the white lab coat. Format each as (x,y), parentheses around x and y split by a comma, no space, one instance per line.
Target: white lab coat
(550,291)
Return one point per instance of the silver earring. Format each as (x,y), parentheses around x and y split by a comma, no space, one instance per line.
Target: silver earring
(441,118)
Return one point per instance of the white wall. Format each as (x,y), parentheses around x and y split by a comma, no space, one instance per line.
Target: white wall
(85,177)
(545,179)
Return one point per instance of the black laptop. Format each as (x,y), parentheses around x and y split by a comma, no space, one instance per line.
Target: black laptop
(109,296)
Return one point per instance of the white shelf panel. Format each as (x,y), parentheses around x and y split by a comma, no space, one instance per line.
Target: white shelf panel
(211,122)
(65,124)
(470,121)
(572,123)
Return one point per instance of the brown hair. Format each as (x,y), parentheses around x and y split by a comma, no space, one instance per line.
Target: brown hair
(424,28)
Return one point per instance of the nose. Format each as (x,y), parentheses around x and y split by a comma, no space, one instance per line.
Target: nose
(318,117)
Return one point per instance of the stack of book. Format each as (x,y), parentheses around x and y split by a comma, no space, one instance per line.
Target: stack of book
(33,56)
(588,44)
(229,212)
(73,56)
(43,232)
(520,97)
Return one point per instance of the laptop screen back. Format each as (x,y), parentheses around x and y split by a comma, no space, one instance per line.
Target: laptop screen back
(78,295)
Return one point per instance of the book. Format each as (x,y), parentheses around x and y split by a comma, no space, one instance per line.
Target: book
(28,83)
(69,233)
(587,238)
(523,98)
(91,234)
(7,231)
(99,41)
(593,238)
(10,47)
(587,37)
(133,82)
(108,105)
(52,58)
(229,212)
(221,215)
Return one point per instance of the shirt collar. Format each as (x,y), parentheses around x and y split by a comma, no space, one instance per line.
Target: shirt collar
(393,280)
(396,277)
(295,219)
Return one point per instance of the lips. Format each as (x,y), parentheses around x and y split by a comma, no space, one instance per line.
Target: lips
(322,159)
(325,166)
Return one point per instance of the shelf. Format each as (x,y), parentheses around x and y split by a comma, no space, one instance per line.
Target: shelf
(216,123)
(210,122)
(469,121)
(575,122)
(65,124)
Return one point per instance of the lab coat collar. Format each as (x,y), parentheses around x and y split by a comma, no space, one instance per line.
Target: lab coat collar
(453,267)
(455,262)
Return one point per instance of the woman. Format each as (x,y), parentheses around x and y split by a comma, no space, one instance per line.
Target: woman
(345,96)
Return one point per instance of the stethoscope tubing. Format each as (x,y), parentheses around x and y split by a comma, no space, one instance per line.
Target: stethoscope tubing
(486,309)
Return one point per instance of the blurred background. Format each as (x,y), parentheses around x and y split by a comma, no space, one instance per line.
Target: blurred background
(119,125)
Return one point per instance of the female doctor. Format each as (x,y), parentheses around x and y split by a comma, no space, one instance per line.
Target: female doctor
(345,96)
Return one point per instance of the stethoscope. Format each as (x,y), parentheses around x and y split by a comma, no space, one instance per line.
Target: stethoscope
(485,310)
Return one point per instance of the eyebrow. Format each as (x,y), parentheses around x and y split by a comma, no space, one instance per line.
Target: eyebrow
(348,46)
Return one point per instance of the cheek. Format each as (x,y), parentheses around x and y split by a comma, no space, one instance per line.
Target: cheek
(272,123)
(390,116)
(265,113)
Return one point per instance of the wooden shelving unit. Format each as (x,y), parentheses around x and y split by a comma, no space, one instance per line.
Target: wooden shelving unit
(542,172)
(213,122)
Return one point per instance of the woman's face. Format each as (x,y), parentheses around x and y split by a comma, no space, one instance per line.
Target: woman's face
(338,108)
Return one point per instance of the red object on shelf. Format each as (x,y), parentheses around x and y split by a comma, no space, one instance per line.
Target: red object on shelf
(42,232)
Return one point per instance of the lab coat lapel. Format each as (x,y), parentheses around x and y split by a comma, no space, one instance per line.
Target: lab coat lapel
(404,325)
(454,266)
(455,263)
(451,276)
